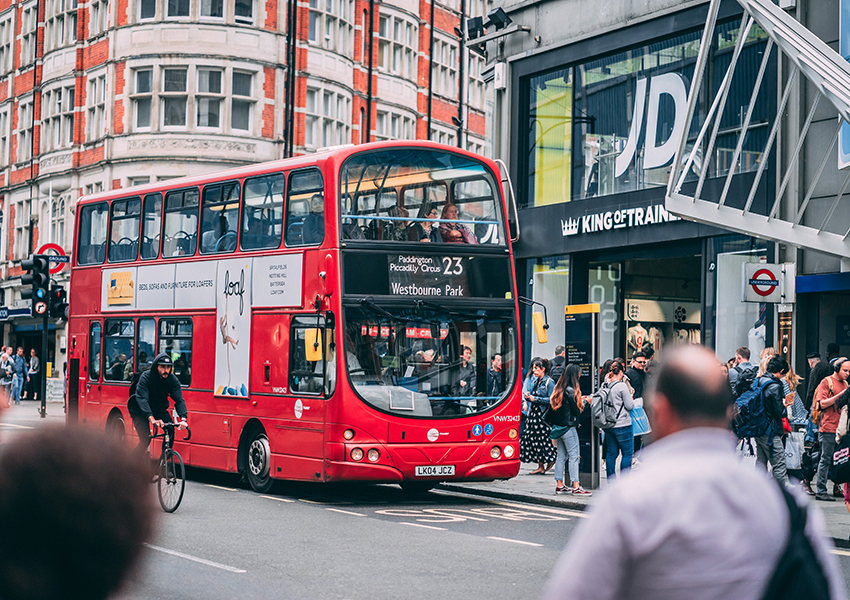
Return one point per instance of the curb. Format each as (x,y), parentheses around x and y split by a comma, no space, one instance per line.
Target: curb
(837,542)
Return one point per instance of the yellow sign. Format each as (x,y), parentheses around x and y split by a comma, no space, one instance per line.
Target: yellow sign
(580,309)
(121,288)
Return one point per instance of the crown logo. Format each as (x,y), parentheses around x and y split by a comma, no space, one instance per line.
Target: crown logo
(569,227)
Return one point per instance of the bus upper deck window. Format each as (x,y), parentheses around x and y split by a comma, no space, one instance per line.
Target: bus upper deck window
(262,212)
(91,248)
(305,209)
(181,223)
(151,225)
(124,230)
(220,218)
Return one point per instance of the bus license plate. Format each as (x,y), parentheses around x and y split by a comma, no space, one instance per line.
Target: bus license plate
(435,471)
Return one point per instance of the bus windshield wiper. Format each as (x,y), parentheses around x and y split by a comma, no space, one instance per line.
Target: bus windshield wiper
(369,303)
(420,304)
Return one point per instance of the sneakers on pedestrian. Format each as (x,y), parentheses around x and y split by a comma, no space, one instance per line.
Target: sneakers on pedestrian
(824,498)
(580,491)
(561,489)
(837,491)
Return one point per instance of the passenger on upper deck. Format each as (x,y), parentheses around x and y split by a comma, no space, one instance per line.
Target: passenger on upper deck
(425,231)
(454,232)
(211,239)
(313,231)
(397,230)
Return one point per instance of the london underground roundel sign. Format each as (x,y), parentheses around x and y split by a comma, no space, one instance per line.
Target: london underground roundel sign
(56,265)
(764,282)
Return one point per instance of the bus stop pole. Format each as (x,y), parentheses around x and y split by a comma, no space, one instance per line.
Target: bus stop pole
(42,369)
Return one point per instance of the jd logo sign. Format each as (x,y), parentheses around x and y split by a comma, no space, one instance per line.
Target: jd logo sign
(655,154)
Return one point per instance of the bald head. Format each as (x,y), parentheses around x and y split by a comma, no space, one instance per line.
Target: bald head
(690,382)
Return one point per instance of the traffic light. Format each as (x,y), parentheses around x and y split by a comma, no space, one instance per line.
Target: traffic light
(58,302)
(38,280)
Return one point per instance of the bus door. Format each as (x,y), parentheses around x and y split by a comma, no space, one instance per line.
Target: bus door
(90,378)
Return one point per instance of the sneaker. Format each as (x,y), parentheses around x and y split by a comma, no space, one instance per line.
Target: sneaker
(562,490)
(824,498)
(837,492)
(580,491)
(808,489)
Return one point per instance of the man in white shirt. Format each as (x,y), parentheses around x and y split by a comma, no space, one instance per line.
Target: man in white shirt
(694,521)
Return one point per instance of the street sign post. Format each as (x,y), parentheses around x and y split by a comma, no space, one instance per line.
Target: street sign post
(581,333)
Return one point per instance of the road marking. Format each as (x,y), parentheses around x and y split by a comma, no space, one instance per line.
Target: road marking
(557,511)
(278,499)
(346,512)
(513,541)
(203,561)
(841,552)
(321,501)
(220,487)
(17,426)
(423,526)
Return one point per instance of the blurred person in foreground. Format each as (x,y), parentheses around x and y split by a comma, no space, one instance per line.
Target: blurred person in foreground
(694,522)
(75,510)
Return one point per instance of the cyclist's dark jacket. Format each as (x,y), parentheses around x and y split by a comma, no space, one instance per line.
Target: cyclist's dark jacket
(152,392)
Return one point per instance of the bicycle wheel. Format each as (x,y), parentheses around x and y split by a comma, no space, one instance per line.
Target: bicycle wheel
(172,480)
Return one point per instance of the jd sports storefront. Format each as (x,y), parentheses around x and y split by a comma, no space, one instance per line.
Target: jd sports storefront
(595,126)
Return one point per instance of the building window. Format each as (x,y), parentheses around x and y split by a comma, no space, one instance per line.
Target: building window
(445,68)
(96,108)
(61,25)
(242,101)
(99,11)
(327,119)
(4,137)
(25,130)
(475,94)
(394,126)
(208,99)
(29,22)
(6,36)
(94,188)
(331,24)
(22,218)
(142,98)
(243,11)
(147,9)
(57,222)
(398,44)
(212,9)
(58,118)
(178,8)
(173,98)
(134,181)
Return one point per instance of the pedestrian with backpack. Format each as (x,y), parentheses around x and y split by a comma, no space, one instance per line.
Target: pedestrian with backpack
(769,446)
(619,439)
(566,406)
(826,414)
(743,373)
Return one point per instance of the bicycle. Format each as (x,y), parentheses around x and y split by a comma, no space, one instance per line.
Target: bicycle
(170,473)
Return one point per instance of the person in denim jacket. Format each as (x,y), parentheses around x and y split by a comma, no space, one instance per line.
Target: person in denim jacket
(535,443)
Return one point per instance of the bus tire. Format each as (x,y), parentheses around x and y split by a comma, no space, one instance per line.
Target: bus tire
(116,428)
(258,461)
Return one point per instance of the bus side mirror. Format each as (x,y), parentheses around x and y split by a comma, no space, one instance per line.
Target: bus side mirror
(313,344)
(540,327)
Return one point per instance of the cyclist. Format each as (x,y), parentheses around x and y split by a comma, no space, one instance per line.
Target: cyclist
(148,404)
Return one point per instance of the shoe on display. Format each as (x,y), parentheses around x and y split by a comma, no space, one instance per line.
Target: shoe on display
(824,498)
(580,491)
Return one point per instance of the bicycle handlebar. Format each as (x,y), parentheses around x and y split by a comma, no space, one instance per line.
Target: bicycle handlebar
(170,426)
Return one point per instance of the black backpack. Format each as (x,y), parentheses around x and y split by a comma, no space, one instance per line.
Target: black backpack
(798,573)
(745,380)
(557,370)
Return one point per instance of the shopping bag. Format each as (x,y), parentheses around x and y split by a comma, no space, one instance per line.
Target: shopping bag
(840,471)
(640,422)
(747,451)
(794,450)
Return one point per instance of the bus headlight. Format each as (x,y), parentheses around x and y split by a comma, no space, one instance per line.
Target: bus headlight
(495,452)
(373,455)
(348,434)
(509,451)
(357,454)
(512,434)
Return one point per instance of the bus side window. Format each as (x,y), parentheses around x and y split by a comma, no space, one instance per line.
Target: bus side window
(91,248)
(118,349)
(94,351)
(305,209)
(181,223)
(175,339)
(151,225)
(220,218)
(305,376)
(262,212)
(146,347)
(124,230)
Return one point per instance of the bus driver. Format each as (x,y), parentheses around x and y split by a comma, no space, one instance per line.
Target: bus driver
(148,403)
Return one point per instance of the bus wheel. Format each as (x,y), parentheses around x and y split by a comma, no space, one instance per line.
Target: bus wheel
(116,428)
(259,462)
(414,488)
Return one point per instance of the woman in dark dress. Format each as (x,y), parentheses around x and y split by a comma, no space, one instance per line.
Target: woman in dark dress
(535,444)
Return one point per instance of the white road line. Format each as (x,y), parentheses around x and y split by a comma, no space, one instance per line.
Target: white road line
(321,502)
(841,552)
(513,541)
(203,561)
(278,499)
(346,512)
(220,487)
(423,526)
(557,511)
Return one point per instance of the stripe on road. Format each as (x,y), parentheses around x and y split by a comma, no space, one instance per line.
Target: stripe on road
(278,499)
(220,487)
(346,512)
(423,526)
(841,552)
(513,541)
(203,561)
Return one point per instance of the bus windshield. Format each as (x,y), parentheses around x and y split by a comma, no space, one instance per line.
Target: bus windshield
(429,362)
(419,195)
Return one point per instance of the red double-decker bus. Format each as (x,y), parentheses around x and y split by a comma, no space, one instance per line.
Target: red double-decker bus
(334,317)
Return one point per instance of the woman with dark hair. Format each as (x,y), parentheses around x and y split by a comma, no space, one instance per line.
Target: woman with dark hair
(566,406)
(535,444)
(425,230)
(620,437)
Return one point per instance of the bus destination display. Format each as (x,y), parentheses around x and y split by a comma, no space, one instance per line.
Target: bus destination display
(428,275)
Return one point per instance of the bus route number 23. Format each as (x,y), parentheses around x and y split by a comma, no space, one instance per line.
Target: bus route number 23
(452,265)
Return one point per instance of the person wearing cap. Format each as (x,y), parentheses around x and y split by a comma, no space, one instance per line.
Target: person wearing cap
(148,403)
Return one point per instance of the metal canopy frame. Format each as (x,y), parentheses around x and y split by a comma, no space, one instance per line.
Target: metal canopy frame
(828,72)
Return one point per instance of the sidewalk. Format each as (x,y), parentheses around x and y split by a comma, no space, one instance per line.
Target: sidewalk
(540,489)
